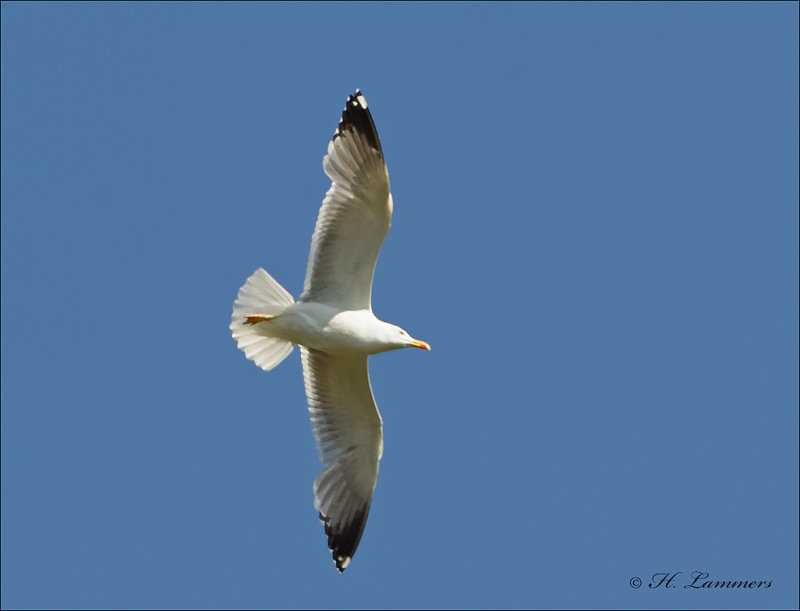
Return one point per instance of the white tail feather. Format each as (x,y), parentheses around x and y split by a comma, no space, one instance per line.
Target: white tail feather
(261,294)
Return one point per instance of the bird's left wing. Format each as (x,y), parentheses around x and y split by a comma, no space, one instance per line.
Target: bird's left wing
(349,434)
(355,214)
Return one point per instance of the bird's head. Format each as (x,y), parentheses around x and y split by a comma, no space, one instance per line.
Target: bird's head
(397,337)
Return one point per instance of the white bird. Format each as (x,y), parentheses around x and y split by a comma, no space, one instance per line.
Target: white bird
(334,326)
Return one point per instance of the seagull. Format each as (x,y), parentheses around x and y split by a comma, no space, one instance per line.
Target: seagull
(334,326)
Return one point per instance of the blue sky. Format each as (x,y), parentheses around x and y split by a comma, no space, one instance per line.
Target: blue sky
(596,228)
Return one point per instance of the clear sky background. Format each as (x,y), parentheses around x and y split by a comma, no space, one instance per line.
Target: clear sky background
(596,228)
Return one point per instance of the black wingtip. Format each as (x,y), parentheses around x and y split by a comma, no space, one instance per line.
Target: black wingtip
(357,118)
(343,542)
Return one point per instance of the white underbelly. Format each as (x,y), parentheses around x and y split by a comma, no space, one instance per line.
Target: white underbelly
(322,327)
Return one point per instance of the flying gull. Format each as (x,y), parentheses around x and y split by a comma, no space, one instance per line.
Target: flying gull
(334,326)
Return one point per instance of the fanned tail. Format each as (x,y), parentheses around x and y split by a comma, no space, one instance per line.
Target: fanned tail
(261,294)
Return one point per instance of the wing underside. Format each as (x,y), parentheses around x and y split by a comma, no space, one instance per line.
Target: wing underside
(348,431)
(355,215)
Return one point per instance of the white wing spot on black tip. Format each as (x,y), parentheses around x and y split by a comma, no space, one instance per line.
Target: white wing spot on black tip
(357,119)
(343,538)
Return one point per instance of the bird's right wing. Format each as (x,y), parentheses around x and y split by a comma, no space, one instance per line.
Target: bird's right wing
(349,434)
(355,214)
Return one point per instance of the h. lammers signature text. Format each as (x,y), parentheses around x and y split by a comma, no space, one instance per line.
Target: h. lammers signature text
(699,580)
